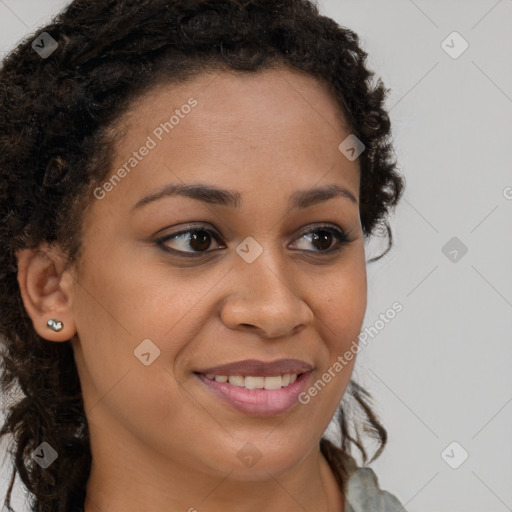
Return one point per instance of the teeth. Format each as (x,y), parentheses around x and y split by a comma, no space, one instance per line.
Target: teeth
(273,382)
(253,382)
(237,380)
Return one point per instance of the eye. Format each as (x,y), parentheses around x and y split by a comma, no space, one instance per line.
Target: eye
(323,237)
(199,239)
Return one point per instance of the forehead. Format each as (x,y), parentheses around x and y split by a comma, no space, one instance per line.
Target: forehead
(235,126)
(271,102)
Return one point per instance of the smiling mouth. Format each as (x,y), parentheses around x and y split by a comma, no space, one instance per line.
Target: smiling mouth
(256,382)
(257,395)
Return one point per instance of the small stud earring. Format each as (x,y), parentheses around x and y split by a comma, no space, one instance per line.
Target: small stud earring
(54,325)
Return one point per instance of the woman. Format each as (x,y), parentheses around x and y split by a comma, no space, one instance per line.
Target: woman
(186,190)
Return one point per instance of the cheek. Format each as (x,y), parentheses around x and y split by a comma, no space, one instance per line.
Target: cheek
(341,308)
(343,301)
(133,294)
(116,309)
(123,301)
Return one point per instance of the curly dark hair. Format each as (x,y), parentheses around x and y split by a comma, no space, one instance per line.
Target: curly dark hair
(56,119)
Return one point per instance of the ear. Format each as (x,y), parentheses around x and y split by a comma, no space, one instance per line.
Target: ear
(46,288)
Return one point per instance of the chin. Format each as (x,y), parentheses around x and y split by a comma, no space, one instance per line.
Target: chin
(252,464)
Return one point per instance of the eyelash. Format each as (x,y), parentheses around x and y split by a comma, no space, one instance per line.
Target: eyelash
(339,235)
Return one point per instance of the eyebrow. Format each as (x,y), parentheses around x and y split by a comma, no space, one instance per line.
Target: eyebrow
(213,195)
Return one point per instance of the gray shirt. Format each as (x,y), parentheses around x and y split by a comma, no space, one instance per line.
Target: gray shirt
(363,494)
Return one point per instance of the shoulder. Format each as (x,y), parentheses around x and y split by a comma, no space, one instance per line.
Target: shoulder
(363,494)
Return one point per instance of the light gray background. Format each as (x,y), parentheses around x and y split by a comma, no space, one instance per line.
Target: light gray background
(440,371)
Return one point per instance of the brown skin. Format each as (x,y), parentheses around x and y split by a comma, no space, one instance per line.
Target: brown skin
(159,439)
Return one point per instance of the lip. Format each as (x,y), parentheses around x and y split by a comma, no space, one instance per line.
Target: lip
(257,368)
(258,402)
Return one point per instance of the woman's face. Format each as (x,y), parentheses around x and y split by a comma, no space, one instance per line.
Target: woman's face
(251,279)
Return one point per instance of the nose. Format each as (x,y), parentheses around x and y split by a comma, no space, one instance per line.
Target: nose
(264,299)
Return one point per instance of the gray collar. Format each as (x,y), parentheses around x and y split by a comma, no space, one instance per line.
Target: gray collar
(363,494)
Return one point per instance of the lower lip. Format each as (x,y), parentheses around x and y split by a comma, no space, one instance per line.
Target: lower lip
(258,402)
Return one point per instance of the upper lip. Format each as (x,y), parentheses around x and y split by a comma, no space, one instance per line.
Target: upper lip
(254,367)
